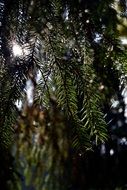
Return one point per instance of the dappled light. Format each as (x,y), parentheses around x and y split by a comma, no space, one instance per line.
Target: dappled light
(63,95)
(17,50)
(20,51)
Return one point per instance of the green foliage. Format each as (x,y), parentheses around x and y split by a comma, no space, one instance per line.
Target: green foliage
(56,39)
(75,47)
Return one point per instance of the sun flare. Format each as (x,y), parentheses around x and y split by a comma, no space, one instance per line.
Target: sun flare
(17,50)
(20,51)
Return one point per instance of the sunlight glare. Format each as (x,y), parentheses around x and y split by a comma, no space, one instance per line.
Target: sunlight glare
(124,41)
(17,50)
(111,152)
(20,51)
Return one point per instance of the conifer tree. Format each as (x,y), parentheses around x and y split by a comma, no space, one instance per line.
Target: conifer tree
(74,48)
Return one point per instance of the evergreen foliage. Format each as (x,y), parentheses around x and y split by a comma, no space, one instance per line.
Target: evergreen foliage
(75,47)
